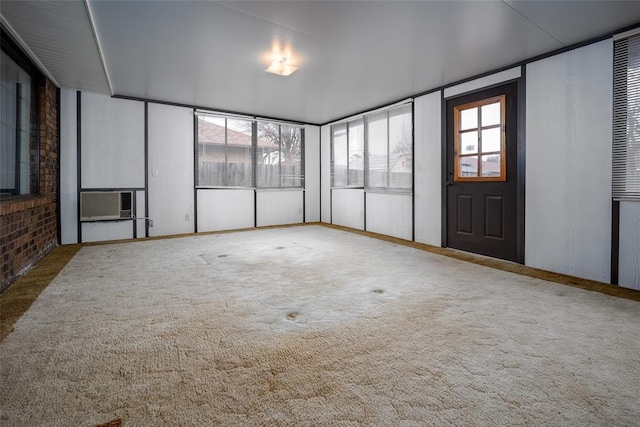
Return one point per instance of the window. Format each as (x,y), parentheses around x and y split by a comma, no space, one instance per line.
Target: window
(279,156)
(225,152)
(626,119)
(389,149)
(348,154)
(19,147)
(480,147)
(231,150)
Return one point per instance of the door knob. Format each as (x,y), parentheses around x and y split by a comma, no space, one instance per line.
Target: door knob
(449,183)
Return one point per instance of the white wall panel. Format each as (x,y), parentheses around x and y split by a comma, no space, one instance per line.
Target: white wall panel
(325,174)
(482,82)
(68,167)
(277,207)
(312,173)
(170,170)
(225,209)
(106,231)
(140,213)
(112,142)
(629,257)
(428,169)
(390,214)
(568,162)
(348,208)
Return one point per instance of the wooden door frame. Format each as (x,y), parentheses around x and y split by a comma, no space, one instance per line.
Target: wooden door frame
(520,160)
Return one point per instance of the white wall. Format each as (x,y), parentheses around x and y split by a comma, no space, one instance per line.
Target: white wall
(278,207)
(225,209)
(348,208)
(390,214)
(170,170)
(112,142)
(483,82)
(140,213)
(325,173)
(112,155)
(312,173)
(568,162)
(428,169)
(629,256)
(68,167)
(107,230)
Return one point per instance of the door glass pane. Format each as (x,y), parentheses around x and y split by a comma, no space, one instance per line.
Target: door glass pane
(491,140)
(469,119)
(491,114)
(491,165)
(468,166)
(469,142)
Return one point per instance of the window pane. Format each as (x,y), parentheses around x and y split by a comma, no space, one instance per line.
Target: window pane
(339,172)
(356,153)
(469,142)
(491,140)
(400,147)
(378,159)
(211,151)
(17,146)
(268,155)
(491,114)
(468,166)
(239,153)
(491,165)
(291,159)
(469,119)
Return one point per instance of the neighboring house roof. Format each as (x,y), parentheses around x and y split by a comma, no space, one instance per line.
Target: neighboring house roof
(211,133)
(469,164)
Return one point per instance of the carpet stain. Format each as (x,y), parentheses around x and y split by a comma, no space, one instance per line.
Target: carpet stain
(378,291)
(112,423)
(279,247)
(292,316)
(222,256)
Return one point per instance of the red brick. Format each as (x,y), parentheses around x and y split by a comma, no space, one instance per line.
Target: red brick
(29,225)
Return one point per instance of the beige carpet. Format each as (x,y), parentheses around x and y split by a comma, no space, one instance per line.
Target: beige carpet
(314,326)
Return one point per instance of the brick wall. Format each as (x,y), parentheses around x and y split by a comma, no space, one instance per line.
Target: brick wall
(28,226)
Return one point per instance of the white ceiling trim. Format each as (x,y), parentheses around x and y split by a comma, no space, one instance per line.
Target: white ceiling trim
(27,50)
(375,110)
(96,38)
(626,34)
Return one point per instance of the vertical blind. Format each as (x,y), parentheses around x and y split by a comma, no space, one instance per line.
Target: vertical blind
(234,151)
(374,151)
(626,119)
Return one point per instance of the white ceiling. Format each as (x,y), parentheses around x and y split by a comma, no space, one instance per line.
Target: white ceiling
(353,55)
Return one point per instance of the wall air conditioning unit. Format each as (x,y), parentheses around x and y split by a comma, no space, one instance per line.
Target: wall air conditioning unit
(105,205)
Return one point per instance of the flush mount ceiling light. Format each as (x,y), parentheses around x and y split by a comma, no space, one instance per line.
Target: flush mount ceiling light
(281,66)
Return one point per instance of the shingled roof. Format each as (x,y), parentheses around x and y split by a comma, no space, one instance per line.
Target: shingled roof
(214,134)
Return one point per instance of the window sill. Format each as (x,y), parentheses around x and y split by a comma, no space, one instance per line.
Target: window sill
(23,203)
(389,191)
(259,190)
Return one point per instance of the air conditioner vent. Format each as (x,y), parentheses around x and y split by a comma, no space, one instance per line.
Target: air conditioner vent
(105,205)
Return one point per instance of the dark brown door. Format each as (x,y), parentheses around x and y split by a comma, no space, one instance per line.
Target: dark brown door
(481,181)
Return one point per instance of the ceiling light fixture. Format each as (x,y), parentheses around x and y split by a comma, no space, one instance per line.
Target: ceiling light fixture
(281,66)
